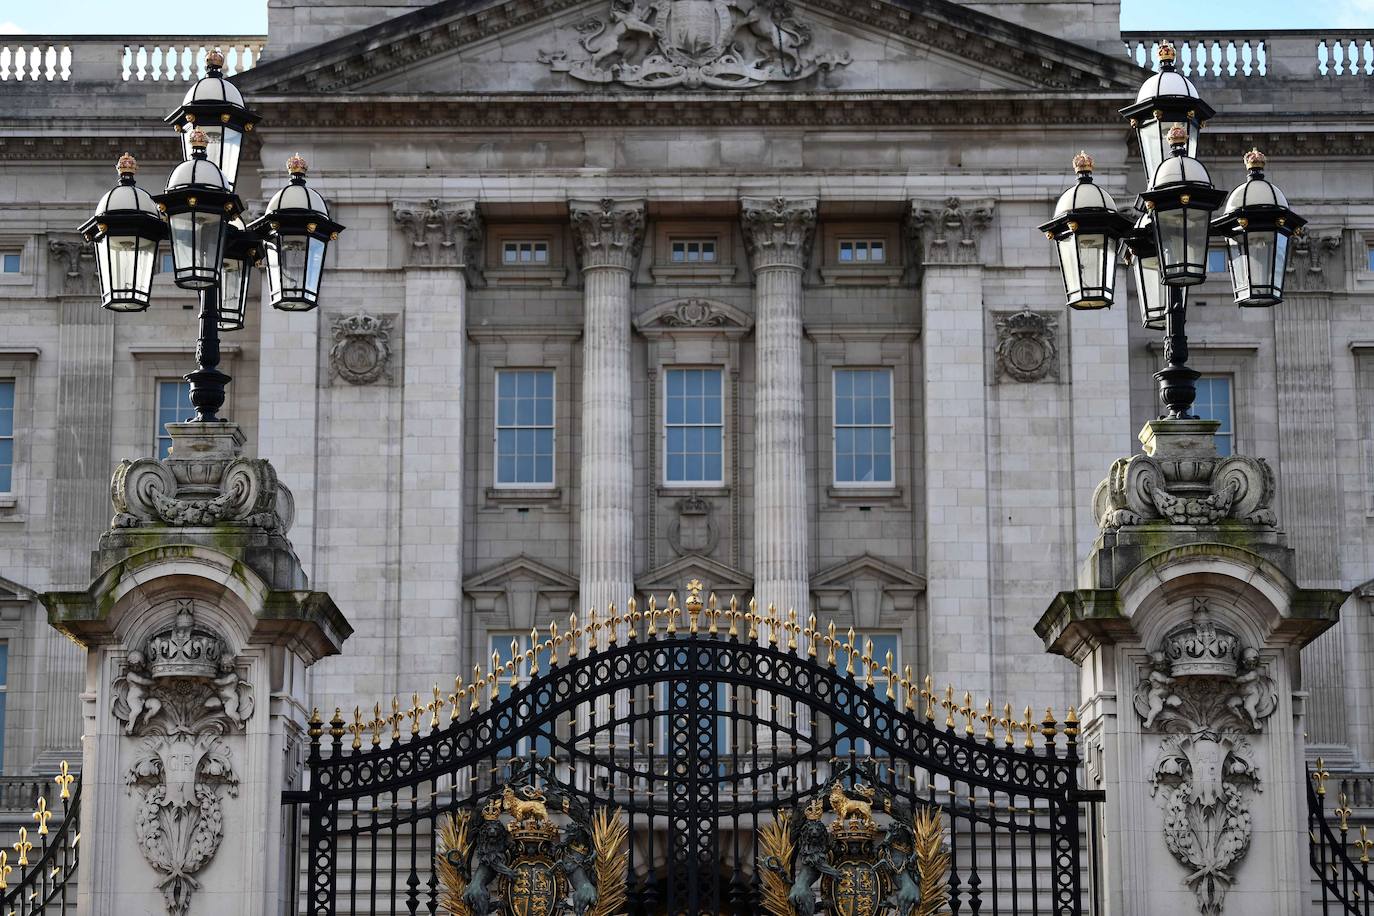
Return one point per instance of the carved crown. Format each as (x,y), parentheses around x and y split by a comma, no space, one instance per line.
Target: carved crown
(184,649)
(1200,648)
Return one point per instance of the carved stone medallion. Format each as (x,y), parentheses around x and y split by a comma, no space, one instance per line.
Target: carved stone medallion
(718,44)
(693,531)
(1027,346)
(361,353)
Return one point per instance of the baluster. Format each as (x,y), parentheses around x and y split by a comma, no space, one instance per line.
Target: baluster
(1323,57)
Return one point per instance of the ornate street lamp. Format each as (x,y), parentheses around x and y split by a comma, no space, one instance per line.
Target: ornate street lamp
(126,230)
(1257,225)
(1087,231)
(1167,248)
(212,250)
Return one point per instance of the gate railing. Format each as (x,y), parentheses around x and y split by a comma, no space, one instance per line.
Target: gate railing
(1341,864)
(45,857)
(695,728)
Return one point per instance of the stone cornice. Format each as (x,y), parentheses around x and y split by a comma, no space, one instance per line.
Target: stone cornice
(365,56)
(778,231)
(608,232)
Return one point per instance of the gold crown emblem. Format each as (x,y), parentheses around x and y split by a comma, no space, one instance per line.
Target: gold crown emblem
(1166,52)
(1255,159)
(815,808)
(199,139)
(1177,136)
(296,165)
(214,60)
(1082,162)
(491,811)
(127,165)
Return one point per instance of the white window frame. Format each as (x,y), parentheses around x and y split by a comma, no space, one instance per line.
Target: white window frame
(835,426)
(534,245)
(1216,250)
(868,245)
(160,431)
(7,252)
(702,243)
(664,425)
(1230,380)
(12,438)
(496,428)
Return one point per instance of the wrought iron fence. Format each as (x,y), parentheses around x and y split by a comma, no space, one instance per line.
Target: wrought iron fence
(45,857)
(685,761)
(1341,864)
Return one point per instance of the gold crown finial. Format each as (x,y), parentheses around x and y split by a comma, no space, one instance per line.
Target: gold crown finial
(214,60)
(199,139)
(1255,160)
(1083,163)
(1177,136)
(296,165)
(127,165)
(1166,53)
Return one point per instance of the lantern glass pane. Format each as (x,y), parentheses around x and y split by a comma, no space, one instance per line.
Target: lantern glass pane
(1240,266)
(313,266)
(1198,223)
(126,271)
(233,294)
(1280,261)
(1068,263)
(1153,146)
(197,245)
(1261,259)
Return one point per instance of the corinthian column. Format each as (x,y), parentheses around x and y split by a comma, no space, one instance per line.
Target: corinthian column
(609,235)
(778,234)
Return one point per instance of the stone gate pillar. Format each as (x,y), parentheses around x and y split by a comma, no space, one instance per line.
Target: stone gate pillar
(198,629)
(1187,627)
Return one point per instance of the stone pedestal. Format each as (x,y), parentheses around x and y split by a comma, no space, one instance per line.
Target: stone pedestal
(198,628)
(1187,627)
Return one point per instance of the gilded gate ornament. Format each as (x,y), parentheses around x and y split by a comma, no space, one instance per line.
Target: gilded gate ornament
(512,859)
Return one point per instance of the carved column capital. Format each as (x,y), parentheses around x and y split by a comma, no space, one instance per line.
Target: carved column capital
(439,233)
(77,259)
(608,232)
(1310,259)
(778,231)
(950,231)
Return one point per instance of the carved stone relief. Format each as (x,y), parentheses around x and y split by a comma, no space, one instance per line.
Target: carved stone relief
(608,232)
(778,231)
(949,231)
(1027,346)
(77,259)
(180,693)
(1308,258)
(439,233)
(361,352)
(717,44)
(693,531)
(1206,693)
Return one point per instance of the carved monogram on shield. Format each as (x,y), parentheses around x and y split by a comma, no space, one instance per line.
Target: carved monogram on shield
(1027,349)
(361,353)
(722,44)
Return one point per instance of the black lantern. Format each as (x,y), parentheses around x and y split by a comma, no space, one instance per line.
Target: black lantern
(199,206)
(126,230)
(1258,225)
(1180,200)
(1142,253)
(1087,231)
(297,230)
(1165,99)
(240,255)
(216,106)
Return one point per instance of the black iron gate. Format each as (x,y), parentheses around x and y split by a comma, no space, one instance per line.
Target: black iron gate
(691,761)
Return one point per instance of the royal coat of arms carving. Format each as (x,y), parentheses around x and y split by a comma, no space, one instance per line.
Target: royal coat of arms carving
(719,44)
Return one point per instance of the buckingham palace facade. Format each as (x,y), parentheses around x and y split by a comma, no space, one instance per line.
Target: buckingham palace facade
(639,292)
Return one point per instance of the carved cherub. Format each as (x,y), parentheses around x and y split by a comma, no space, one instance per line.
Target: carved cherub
(226,688)
(1253,700)
(1161,692)
(137,694)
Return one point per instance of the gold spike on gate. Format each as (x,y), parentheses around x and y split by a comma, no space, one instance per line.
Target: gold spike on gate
(64,779)
(849,652)
(652,617)
(928,694)
(1342,811)
(632,618)
(1029,728)
(792,628)
(989,718)
(434,707)
(1364,844)
(477,679)
(752,618)
(967,712)
(812,636)
(948,705)
(671,613)
(357,728)
(830,644)
(41,816)
(909,690)
(455,698)
(376,725)
(574,637)
(557,641)
(713,615)
(868,663)
(23,847)
(889,674)
(1321,774)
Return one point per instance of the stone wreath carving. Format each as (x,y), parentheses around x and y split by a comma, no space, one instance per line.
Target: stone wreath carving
(199,492)
(1185,490)
(361,353)
(1206,694)
(716,44)
(1027,346)
(180,693)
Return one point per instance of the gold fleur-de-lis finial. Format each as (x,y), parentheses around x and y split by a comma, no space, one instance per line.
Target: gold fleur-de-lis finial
(1343,812)
(5,869)
(41,816)
(65,779)
(1364,844)
(1321,774)
(23,846)
(357,728)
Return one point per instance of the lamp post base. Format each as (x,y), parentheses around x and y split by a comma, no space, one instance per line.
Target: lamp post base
(1177,391)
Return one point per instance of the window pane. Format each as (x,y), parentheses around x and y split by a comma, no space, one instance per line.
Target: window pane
(694,430)
(11,263)
(1216,260)
(6,465)
(525,426)
(863,426)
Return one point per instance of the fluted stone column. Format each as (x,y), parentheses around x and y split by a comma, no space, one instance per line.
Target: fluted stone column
(778,235)
(609,235)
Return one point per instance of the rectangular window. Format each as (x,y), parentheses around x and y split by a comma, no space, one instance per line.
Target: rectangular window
(165,263)
(883,644)
(1369,258)
(1216,260)
(516,253)
(4,684)
(862,251)
(518,668)
(694,251)
(863,427)
(173,406)
(10,262)
(693,426)
(1214,403)
(6,435)
(524,428)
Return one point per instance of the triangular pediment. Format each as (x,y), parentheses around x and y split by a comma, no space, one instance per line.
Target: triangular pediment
(478,47)
(520,568)
(867,567)
(716,577)
(13,591)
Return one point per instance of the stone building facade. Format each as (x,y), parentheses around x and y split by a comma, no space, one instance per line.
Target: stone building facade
(635,292)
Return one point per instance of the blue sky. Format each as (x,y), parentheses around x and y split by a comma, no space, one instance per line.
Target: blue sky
(187,17)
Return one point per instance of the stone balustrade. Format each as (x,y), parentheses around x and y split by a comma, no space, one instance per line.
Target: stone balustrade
(1261,54)
(114,59)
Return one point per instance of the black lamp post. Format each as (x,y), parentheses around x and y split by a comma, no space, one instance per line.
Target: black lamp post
(1167,247)
(212,250)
